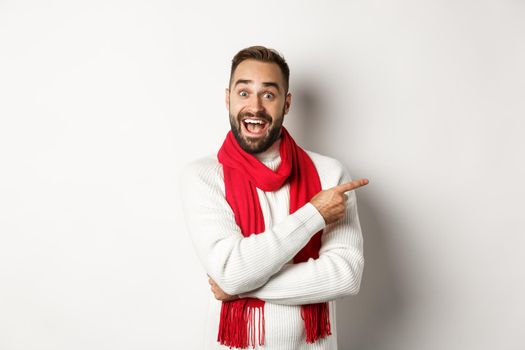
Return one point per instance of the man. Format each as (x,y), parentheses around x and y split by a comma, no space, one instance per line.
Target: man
(271,223)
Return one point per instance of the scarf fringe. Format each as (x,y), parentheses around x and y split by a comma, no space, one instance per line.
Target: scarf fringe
(316,321)
(238,327)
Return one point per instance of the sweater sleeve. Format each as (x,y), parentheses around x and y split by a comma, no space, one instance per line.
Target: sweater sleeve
(335,274)
(236,263)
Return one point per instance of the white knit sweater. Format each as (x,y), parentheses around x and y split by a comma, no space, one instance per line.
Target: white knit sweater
(261,265)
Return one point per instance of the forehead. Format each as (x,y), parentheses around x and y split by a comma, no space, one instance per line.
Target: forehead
(258,72)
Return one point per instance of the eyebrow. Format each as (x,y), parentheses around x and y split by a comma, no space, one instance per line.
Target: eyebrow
(266,83)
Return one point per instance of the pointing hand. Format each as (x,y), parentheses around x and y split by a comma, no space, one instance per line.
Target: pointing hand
(331,203)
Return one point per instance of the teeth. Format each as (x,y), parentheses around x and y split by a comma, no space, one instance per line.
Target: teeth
(253,121)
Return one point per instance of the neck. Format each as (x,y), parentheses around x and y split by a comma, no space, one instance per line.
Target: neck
(271,153)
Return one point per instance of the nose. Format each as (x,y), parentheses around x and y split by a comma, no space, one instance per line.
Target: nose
(255,105)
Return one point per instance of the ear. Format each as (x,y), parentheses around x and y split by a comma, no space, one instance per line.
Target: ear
(227,99)
(287,102)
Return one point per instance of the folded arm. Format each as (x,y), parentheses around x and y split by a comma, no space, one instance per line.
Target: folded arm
(236,263)
(336,273)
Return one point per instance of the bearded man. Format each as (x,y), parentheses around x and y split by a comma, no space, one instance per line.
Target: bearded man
(271,223)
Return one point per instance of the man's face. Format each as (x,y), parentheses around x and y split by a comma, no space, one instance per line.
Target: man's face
(257,102)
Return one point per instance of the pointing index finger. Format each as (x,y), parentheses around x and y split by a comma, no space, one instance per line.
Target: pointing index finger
(352,185)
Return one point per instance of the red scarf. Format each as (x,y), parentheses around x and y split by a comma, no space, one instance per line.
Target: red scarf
(242,174)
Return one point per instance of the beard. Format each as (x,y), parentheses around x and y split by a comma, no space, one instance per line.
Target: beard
(256,144)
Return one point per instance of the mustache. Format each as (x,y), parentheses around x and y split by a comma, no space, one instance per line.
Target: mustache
(261,115)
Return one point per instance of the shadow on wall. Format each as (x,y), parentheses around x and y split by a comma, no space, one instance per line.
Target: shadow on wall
(364,320)
(310,115)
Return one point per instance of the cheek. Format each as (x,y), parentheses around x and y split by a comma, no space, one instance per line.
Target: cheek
(235,106)
(276,109)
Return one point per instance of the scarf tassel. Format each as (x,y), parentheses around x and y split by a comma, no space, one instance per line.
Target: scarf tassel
(316,321)
(238,327)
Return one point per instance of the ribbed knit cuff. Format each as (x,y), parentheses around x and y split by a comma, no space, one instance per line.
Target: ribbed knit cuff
(311,218)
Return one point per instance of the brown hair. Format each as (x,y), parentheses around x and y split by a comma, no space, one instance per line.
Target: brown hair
(263,54)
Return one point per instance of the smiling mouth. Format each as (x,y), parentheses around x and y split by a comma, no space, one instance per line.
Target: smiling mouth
(254,127)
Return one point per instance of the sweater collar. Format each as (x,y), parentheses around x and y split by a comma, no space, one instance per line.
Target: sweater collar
(271,154)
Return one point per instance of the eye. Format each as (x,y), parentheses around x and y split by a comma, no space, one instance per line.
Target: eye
(243,93)
(268,95)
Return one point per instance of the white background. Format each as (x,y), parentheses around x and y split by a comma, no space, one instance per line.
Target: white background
(103,102)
